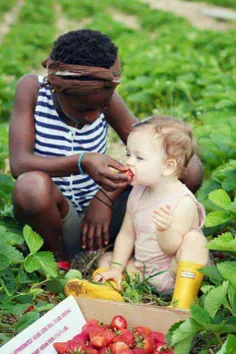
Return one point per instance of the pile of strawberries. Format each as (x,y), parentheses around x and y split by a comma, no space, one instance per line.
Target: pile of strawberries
(115,338)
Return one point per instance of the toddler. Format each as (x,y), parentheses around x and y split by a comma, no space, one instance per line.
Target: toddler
(162,227)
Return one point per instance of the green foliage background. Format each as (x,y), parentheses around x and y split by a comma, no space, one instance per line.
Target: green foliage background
(168,67)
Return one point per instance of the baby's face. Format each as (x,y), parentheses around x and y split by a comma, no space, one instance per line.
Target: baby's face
(145,158)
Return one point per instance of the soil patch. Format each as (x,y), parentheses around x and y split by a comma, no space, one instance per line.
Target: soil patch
(193,12)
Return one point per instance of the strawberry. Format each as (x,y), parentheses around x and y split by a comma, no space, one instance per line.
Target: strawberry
(138,351)
(145,342)
(130,174)
(82,337)
(142,331)
(30,309)
(91,350)
(60,347)
(158,337)
(116,347)
(119,322)
(125,351)
(109,337)
(91,322)
(105,350)
(125,336)
(98,342)
(73,344)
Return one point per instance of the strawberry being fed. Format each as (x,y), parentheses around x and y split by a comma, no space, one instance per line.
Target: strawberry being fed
(130,174)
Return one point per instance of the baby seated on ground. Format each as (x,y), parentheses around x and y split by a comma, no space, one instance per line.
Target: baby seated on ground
(161,232)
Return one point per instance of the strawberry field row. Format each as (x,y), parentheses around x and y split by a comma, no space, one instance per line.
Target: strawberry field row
(24,48)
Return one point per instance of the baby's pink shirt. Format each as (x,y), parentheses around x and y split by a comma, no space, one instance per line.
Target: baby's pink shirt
(148,255)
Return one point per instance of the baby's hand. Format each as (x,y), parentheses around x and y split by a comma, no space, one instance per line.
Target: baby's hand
(162,217)
(110,274)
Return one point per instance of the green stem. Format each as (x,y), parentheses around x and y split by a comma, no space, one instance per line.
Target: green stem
(218,338)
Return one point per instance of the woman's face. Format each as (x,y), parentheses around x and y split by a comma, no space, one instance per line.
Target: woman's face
(85,109)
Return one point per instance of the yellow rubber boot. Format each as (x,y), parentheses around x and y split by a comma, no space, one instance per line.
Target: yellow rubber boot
(187,285)
(85,288)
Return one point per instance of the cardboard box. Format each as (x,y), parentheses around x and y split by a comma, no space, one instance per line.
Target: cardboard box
(66,319)
(156,318)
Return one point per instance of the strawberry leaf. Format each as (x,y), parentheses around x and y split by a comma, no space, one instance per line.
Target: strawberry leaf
(228,271)
(215,298)
(220,198)
(33,240)
(217,217)
(225,242)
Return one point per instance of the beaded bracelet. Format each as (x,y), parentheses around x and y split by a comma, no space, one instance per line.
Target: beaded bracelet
(79,163)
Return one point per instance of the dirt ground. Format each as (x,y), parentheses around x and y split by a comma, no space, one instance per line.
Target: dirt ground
(193,12)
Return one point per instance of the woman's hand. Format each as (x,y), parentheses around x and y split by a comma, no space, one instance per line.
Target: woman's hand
(95,225)
(97,166)
(110,274)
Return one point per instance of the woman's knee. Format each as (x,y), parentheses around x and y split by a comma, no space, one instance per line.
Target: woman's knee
(32,192)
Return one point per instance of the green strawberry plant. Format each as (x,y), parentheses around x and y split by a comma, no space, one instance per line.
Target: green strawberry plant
(23,271)
(213,320)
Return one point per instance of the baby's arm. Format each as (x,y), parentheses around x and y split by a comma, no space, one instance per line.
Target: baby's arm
(173,225)
(123,249)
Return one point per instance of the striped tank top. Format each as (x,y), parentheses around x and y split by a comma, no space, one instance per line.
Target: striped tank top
(53,137)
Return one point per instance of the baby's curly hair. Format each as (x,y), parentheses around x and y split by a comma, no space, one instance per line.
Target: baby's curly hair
(177,138)
(85,47)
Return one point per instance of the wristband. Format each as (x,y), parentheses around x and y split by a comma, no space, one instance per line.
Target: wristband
(79,163)
(117,263)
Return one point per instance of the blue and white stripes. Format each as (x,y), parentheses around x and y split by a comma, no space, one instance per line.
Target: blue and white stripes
(54,138)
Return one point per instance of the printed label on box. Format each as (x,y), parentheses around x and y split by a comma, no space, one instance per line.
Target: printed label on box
(60,324)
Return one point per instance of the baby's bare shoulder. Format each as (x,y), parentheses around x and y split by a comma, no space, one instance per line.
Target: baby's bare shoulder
(186,204)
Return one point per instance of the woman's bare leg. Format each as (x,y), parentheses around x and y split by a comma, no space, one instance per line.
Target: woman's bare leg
(39,203)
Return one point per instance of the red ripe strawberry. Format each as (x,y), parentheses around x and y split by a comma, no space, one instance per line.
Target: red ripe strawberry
(82,337)
(142,331)
(91,322)
(98,342)
(138,351)
(125,336)
(148,345)
(119,322)
(30,309)
(158,337)
(60,347)
(73,345)
(116,347)
(91,350)
(109,337)
(145,342)
(105,350)
(130,174)
(125,351)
